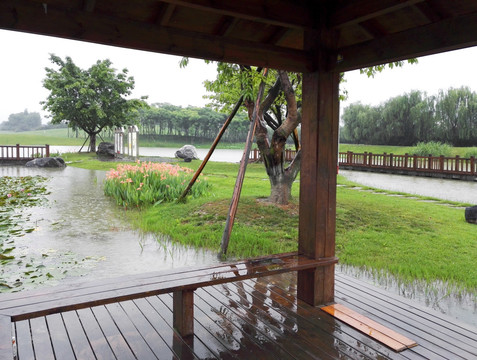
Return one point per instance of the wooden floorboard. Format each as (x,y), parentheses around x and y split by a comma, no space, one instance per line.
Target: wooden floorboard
(250,319)
(438,340)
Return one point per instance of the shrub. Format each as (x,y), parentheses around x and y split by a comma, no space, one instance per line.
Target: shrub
(147,183)
(433,148)
(471,152)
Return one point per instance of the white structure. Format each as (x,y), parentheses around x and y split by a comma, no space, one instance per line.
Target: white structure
(119,141)
(133,145)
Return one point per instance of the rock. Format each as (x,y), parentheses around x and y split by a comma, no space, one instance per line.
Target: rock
(105,149)
(187,152)
(471,214)
(48,162)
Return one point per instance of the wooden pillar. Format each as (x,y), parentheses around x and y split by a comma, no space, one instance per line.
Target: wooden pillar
(320,118)
(183,312)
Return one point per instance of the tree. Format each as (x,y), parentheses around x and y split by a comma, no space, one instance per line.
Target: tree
(92,99)
(23,121)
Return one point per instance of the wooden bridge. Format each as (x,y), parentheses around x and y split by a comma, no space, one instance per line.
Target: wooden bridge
(21,153)
(434,166)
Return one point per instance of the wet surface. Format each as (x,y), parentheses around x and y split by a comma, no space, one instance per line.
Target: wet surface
(446,189)
(81,224)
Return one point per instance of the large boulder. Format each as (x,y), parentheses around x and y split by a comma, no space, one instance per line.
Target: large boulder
(471,214)
(105,149)
(48,162)
(187,152)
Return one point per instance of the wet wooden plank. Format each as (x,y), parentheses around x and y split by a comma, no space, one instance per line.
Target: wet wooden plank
(390,338)
(134,339)
(99,345)
(211,342)
(114,337)
(181,346)
(41,339)
(312,320)
(59,337)
(6,350)
(280,335)
(24,341)
(164,330)
(431,338)
(459,331)
(79,341)
(229,328)
(147,331)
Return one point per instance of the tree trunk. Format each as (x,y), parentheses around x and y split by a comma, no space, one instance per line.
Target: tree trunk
(281,185)
(92,142)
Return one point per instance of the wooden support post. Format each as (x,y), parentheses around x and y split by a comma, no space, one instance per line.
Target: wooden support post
(18,152)
(47,150)
(183,312)
(320,119)
(472,165)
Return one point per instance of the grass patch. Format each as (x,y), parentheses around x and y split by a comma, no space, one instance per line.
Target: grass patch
(404,236)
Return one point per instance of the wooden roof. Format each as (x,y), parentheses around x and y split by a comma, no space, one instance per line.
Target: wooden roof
(257,32)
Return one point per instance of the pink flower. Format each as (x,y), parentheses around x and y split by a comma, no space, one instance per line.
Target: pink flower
(29,194)
(9,195)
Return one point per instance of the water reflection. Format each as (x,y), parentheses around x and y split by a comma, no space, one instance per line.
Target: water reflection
(79,219)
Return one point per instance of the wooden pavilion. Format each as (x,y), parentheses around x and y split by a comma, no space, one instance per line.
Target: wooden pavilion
(319,38)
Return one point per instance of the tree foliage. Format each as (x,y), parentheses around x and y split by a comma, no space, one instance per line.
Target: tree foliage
(163,119)
(92,99)
(23,121)
(450,117)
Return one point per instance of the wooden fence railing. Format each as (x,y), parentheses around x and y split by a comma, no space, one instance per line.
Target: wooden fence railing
(410,163)
(23,152)
(255,155)
(398,163)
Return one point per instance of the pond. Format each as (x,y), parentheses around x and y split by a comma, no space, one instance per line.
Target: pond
(79,233)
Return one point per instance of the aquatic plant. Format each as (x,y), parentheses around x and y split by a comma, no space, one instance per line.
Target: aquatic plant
(148,183)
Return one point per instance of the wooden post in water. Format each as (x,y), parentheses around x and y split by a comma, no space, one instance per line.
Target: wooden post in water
(229,223)
(211,150)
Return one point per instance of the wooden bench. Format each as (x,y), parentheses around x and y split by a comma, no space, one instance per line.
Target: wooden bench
(180,282)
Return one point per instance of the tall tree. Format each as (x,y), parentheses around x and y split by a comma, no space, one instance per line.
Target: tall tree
(23,121)
(92,99)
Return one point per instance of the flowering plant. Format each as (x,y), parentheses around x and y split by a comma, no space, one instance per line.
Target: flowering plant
(147,183)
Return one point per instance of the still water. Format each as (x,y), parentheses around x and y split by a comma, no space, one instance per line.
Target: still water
(80,224)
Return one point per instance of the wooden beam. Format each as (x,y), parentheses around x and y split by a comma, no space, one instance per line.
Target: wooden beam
(183,312)
(320,118)
(449,34)
(292,14)
(89,5)
(93,27)
(6,348)
(355,12)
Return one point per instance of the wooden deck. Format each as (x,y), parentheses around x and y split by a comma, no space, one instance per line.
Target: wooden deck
(258,318)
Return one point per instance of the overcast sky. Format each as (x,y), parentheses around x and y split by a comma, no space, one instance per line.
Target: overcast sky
(24,58)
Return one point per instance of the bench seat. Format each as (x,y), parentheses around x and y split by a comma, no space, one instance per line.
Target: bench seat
(180,282)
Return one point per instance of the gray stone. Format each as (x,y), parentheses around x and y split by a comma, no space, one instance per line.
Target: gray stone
(187,152)
(105,149)
(48,162)
(471,214)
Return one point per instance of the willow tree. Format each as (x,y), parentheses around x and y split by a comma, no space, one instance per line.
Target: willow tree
(90,100)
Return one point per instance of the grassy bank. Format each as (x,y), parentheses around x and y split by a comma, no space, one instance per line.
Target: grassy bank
(409,238)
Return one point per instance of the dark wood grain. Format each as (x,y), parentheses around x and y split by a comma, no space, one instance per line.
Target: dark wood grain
(59,337)
(41,339)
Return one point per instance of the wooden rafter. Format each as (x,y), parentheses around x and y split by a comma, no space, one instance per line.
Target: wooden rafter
(355,12)
(275,12)
(448,34)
